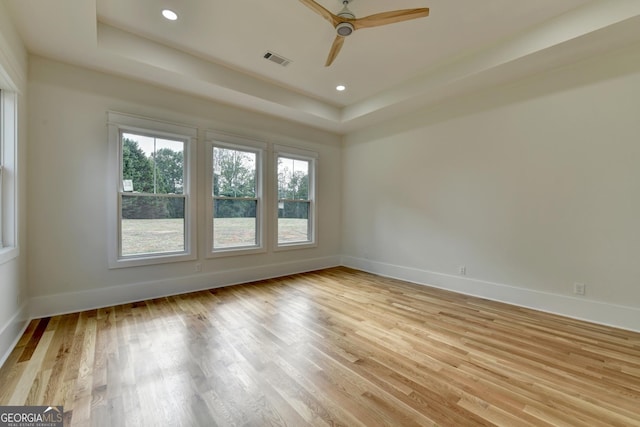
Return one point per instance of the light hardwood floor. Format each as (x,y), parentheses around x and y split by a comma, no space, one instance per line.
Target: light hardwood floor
(330,348)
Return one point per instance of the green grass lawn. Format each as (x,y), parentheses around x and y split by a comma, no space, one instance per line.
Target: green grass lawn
(140,236)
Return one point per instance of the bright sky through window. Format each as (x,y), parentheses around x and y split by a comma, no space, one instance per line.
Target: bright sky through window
(146,143)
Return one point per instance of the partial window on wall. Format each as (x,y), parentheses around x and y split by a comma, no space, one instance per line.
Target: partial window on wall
(8,174)
(235,204)
(154,211)
(296,225)
(2,202)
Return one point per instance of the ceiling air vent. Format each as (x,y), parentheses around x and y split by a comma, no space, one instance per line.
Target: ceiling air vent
(274,57)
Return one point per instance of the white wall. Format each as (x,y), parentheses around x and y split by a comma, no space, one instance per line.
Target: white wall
(532,186)
(67,195)
(13,283)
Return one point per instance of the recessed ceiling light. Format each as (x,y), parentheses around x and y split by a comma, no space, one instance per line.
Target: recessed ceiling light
(170,14)
(340,88)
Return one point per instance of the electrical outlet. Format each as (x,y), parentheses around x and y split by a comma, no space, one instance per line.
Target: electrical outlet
(579,288)
(462,270)
(198,268)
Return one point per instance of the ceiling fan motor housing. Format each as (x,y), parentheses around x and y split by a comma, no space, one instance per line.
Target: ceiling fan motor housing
(344,28)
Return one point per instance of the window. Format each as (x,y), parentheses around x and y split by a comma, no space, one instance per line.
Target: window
(8,173)
(296,193)
(154,210)
(235,203)
(2,202)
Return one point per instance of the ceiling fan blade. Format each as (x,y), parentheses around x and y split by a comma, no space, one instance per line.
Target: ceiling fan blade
(335,49)
(320,10)
(392,17)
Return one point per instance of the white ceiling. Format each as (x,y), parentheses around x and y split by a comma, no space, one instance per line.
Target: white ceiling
(215,49)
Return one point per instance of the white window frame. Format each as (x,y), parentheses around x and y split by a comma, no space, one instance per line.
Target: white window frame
(8,171)
(118,123)
(312,158)
(224,140)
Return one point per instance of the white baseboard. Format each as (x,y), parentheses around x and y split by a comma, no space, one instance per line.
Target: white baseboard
(11,332)
(618,316)
(71,302)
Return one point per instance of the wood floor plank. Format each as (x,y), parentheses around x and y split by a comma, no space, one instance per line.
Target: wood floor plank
(31,345)
(32,371)
(11,374)
(336,347)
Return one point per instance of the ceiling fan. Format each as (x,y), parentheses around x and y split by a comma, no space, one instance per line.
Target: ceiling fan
(345,22)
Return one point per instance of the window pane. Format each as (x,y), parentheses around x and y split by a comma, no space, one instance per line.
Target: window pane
(293,179)
(152,224)
(234,223)
(152,165)
(293,222)
(234,173)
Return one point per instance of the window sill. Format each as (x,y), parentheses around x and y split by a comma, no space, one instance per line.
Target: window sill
(152,260)
(294,246)
(8,253)
(235,252)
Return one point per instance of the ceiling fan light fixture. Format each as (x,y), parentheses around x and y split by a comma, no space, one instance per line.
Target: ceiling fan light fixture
(344,29)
